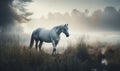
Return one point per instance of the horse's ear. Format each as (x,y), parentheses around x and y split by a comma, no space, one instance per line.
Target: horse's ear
(66,25)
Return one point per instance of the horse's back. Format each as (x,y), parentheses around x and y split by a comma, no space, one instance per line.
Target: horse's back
(41,34)
(45,35)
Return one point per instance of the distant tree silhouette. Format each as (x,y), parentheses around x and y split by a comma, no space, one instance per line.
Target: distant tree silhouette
(96,17)
(50,16)
(108,19)
(86,12)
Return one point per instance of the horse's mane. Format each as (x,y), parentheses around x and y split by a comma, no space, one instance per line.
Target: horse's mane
(56,27)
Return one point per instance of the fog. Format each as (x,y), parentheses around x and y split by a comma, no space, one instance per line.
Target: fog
(99,26)
(96,22)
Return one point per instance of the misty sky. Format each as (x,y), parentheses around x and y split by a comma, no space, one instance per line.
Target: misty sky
(42,7)
(19,10)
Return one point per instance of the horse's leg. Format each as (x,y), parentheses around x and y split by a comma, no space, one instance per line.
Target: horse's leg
(40,44)
(54,47)
(53,44)
(36,44)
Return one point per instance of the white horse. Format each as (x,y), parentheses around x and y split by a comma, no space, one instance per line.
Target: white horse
(42,35)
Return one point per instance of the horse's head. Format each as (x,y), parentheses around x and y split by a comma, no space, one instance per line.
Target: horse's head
(65,30)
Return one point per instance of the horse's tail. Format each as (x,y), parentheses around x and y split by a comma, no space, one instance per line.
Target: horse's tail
(31,41)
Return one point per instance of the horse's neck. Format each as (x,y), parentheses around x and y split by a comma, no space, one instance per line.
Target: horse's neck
(59,30)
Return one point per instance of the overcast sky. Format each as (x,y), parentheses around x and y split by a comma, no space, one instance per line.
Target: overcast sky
(42,7)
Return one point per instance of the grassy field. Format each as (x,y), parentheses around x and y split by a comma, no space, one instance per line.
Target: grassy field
(81,57)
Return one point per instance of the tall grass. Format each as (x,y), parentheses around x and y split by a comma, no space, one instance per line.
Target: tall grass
(81,57)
